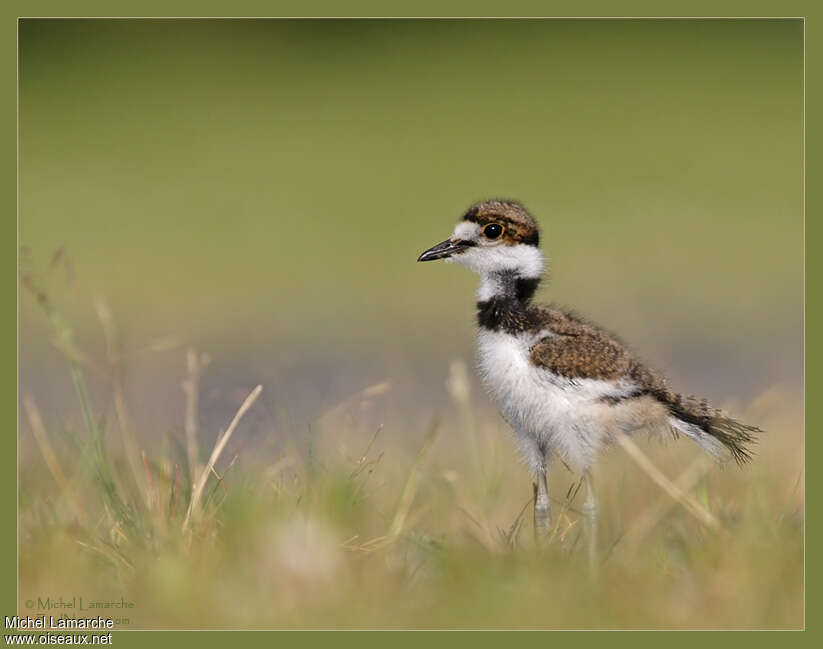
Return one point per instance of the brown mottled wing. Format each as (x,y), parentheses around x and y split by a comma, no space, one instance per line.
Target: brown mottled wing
(582,356)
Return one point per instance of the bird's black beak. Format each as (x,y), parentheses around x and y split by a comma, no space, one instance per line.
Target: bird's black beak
(443,250)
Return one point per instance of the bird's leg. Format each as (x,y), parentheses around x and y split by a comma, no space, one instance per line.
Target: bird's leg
(590,521)
(542,509)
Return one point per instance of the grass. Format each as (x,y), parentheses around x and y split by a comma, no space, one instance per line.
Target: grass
(316,538)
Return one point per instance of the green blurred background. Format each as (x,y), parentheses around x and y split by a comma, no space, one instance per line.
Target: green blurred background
(261,189)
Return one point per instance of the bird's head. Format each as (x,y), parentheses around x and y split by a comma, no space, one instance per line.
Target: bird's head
(493,237)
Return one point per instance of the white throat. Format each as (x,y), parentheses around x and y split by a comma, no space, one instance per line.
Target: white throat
(523,260)
(499,265)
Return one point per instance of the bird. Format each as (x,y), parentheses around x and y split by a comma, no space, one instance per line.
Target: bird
(566,387)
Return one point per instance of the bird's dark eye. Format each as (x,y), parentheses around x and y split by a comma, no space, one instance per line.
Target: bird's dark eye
(493,231)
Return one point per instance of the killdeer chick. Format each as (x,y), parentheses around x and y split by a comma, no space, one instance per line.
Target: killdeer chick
(565,386)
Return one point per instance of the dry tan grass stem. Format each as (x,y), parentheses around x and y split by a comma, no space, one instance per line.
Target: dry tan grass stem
(646,522)
(679,495)
(195,363)
(410,488)
(115,362)
(38,429)
(197,492)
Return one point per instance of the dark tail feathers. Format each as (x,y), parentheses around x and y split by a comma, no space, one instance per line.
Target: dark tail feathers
(703,420)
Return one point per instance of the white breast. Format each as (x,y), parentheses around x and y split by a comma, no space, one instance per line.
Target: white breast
(549,413)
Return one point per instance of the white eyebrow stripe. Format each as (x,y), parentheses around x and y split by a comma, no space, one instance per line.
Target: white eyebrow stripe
(466,230)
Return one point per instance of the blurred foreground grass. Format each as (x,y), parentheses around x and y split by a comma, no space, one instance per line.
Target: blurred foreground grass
(348,531)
